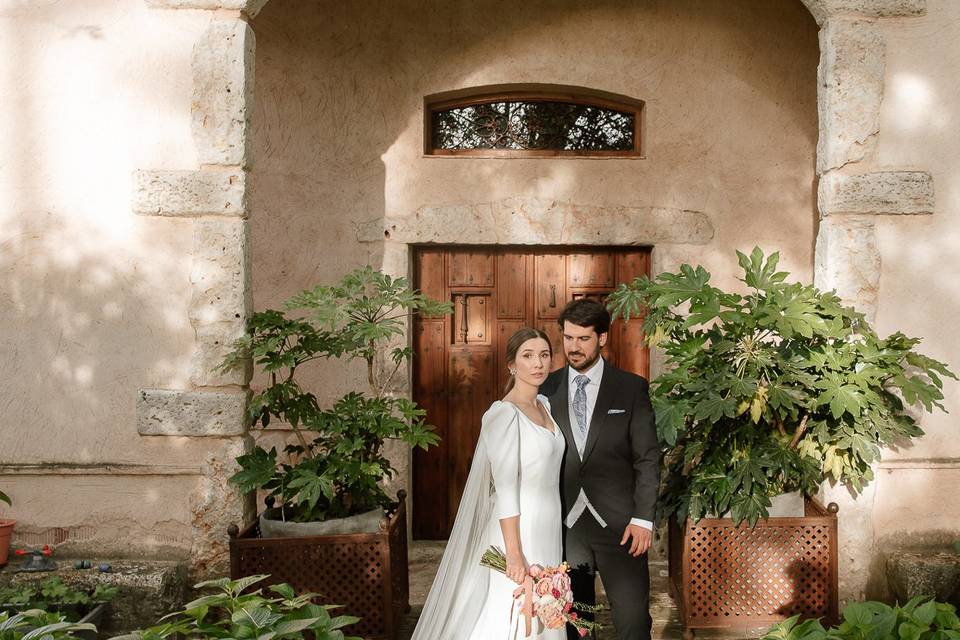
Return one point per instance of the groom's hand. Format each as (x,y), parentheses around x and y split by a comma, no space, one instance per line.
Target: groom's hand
(639,538)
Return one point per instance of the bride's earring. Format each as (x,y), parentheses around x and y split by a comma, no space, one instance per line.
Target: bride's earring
(512,372)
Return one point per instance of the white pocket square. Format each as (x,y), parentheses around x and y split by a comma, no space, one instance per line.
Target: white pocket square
(615,410)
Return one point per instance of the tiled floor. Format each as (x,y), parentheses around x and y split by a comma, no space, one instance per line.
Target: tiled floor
(425,557)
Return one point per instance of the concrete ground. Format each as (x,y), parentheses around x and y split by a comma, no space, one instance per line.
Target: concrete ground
(425,558)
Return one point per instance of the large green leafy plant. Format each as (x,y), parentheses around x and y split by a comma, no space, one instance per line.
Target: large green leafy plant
(334,467)
(36,624)
(920,619)
(228,612)
(772,390)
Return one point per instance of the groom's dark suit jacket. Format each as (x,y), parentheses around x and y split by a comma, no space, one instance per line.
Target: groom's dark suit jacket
(620,470)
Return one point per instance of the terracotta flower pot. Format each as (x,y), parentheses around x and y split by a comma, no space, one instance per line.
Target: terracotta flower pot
(6,532)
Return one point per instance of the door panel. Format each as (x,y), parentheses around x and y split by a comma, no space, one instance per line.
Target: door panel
(591,269)
(460,367)
(430,392)
(550,282)
(512,299)
(471,268)
(470,387)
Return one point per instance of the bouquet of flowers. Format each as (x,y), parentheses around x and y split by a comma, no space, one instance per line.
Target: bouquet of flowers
(546,593)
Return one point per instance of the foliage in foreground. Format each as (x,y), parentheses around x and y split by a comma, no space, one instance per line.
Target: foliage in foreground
(920,619)
(35,624)
(335,467)
(230,613)
(770,391)
(52,594)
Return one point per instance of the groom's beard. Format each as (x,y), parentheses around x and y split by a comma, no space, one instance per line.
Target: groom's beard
(584,364)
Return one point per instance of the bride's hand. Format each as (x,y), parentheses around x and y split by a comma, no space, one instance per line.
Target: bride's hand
(517,567)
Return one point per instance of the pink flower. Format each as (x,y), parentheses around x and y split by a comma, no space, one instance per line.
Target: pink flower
(542,587)
(552,615)
(535,570)
(583,633)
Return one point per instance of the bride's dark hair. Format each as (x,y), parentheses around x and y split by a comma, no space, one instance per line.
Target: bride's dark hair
(520,336)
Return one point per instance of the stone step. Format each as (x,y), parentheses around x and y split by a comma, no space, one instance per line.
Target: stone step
(932,572)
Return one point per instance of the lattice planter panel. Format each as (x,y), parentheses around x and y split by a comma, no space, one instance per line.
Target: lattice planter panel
(367,573)
(738,577)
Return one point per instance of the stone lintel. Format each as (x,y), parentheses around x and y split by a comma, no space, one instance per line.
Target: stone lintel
(879,193)
(541,222)
(190,193)
(221,301)
(850,77)
(847,260)
(825,9)
(249,8)
(223,71)
(163,412)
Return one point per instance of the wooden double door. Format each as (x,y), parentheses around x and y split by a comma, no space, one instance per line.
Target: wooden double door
(459,366)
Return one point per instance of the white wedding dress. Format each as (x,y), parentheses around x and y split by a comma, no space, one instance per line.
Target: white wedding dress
(516,469)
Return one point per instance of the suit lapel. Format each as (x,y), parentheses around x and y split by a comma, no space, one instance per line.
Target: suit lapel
(604,402)
(560,404)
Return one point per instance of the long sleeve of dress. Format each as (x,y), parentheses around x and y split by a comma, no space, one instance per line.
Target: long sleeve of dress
(501,431)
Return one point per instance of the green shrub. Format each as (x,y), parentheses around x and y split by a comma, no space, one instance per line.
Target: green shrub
(335,467)
(920,619)
(55,596)
(35,624)
(772,390)
(230,613)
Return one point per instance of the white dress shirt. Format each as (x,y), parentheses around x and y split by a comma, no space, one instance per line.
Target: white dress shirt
(592,389)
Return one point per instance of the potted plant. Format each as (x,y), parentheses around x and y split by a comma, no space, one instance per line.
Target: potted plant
(6,531)
(769,391)
(327,482)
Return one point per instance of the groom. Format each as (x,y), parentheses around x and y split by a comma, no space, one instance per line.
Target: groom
(610,470)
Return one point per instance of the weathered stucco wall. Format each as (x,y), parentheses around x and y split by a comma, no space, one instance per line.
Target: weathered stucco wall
(920,272)
(93,299)
(731,129)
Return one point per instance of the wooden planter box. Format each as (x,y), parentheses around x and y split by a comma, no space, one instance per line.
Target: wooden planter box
(364,572)
(737,577)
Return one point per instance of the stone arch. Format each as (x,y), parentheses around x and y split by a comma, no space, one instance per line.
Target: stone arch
(853,190)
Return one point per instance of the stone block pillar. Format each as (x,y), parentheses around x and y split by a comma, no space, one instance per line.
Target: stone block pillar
(852,192)
(215,196)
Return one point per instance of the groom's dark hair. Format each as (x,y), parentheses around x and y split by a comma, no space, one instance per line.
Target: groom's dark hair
(586,313)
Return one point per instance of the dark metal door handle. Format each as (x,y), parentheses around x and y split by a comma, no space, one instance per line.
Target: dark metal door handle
(553,295)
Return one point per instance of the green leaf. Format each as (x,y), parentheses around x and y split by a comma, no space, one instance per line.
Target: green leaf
(257,469)
(714,407)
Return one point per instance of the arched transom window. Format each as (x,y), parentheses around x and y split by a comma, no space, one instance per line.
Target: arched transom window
(534,123)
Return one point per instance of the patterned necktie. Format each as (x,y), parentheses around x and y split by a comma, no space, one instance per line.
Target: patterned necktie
(580,403)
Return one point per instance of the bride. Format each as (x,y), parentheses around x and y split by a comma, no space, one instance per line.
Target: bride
(512,501)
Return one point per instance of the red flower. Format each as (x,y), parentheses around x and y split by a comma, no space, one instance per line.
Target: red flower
(573,616)
(583,633)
